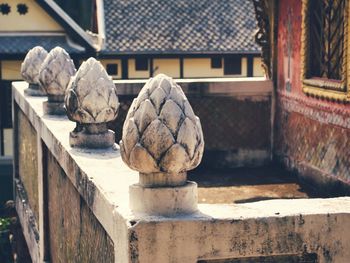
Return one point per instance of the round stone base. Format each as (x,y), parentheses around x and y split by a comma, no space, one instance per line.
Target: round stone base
(162,179)
(54,108)
(95,141)
(34,90)
(164,201)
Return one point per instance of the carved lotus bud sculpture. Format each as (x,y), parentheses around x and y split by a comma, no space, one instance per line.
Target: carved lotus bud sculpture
(30,70)
(162,137)
(91,101)
(54,76)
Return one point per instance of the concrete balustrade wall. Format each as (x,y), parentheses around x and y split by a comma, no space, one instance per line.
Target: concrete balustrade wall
(73,206)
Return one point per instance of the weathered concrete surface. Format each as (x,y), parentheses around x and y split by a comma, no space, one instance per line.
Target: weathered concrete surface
(165,201)
(28,222)
(304,258)
(28,160)
(75,235)
(216,232)
(81,139)
(105,193)
(243,185)
(277,227)
(249,193)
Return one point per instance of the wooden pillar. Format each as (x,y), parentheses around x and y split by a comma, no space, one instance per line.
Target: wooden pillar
(250,66)
(151,67)
(181,67)
(2,102)
(125,74)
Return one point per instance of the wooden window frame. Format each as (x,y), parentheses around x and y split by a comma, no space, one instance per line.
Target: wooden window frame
(216,62)
(140,62)
(238,60)
(321,87)
(108,65)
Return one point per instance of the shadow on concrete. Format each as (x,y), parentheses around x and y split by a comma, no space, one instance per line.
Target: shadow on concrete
(271,174)
(244,185)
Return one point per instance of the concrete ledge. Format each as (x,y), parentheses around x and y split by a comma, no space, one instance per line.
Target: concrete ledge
(266,228)
(277,227)
(103,183)
(207,86)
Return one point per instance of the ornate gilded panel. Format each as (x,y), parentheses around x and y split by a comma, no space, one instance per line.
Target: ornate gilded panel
(330,78)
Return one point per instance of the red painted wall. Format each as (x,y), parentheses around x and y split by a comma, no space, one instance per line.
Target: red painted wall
(289,36)
(289,33)
(312,136)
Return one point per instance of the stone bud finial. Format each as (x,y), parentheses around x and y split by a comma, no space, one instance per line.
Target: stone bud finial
(91,101)
(162,137)
(54,76)
(30,70)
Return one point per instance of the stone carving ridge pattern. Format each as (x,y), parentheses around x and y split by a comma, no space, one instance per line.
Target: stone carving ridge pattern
(91,96)
(32,63)
(161,132)
(56,71)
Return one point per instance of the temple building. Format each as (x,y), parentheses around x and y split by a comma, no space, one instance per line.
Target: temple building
(24,25)
(207,163)
(307,55)
(183,39)
(133,40)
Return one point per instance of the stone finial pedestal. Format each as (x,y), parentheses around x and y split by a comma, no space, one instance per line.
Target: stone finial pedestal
(54,76)
(164,201)
(54,105)
(92,136)
(91,101)
(30,70)
(162,139)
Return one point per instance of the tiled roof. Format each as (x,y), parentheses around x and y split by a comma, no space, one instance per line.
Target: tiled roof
(18,45)
(179,26)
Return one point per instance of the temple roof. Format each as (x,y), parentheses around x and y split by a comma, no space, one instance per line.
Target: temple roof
(181,26)
(20,45)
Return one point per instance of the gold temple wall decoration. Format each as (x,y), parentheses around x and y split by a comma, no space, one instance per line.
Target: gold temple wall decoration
(323,86)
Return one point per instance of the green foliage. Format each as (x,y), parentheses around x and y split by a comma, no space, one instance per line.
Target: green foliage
(5,224)
(5,246)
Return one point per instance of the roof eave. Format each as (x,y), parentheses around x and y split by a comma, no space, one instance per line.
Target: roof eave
(100,24)
(67,22)
(180,53)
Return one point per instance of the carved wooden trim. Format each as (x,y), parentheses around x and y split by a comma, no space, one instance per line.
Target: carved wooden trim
(262,36)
